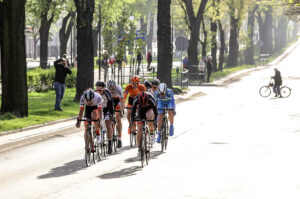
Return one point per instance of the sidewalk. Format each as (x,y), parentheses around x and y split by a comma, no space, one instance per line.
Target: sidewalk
(16,138)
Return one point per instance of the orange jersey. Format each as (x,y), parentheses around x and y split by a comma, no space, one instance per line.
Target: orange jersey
(133,91)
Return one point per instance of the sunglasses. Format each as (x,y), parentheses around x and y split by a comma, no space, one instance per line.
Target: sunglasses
(100,90)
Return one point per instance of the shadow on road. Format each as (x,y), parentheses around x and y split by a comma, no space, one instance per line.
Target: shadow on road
(130,171)
(67,169)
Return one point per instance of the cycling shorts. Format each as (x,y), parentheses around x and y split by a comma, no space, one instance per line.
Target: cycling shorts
(164,104)
(116,104)
(89,110)
(130,102)
(141,114)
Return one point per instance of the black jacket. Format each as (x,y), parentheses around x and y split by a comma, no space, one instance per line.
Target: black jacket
(61,72)
(277,78)
(209,66)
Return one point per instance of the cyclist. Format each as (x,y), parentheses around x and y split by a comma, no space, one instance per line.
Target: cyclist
(118,104)
(144,105)
(165,99)
(108,111)
(277,82)
(133,89)
(148,86)
(91,102)
(155,83)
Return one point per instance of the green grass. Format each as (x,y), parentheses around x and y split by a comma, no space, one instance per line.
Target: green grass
(41,107)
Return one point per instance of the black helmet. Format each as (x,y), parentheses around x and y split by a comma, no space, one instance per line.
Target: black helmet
(111,84)
(147,84)
(88,94)
(155,82)
(100,83)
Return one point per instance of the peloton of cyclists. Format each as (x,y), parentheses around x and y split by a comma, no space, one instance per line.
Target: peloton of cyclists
(118,104)
(144,105)
(165,99)
(108,111)
(91,105)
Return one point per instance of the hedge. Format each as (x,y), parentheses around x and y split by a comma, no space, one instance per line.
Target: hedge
(42,80)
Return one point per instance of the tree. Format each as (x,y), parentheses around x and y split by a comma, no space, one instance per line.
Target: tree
(235,11)
(249,59)
(13,58)
(164,54)
(265,23)
(85,70)
(65,32)
(194,26)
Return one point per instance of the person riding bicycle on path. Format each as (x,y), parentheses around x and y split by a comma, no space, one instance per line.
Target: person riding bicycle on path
(145,106)
(118,105)
(148,86)
(154,85)
(165,99)
(133,89)
(277,82)
(91,102)
(108,111)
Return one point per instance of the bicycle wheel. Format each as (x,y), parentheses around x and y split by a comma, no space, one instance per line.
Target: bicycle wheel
(285,91)
(147,145)
(163,134)
(167,132)
(133,136)
(115,137)
(265,91)
(88,151)
(142,149)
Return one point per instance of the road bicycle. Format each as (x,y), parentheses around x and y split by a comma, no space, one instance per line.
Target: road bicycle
(164,130)
(133,132)
(145,145)
(92,151)
(265,91)
(115,133)
(103,142)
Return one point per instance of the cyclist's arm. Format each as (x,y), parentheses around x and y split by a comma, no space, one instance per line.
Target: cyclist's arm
(99,108)
(173,100)
(153,106)
(134,107)
(81,108)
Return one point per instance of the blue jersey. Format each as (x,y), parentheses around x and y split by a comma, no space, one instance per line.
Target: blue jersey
(167,99)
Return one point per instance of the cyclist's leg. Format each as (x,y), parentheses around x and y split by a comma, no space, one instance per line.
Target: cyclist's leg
(118,121)
(171,117)
(129,110)
(108,124)
(95,116)
(150,116)
(160,105)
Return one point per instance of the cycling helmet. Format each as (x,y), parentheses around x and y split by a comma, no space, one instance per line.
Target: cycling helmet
(88,94)
(162,88)
(155,82)
(143,98)
(147,84)
(100,83)
(135,80)
(111,83)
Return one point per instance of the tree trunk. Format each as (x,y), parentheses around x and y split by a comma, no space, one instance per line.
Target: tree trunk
(108,37)
(295,30)
(35,41)
(13,62)
(280,33)
(265,31)
(249,59)
(214,46)
(194,26)
(150,35)
(85,68)
(44,35)
(164,55)
(65,32)
(233,42)
(204,42)
(222,46)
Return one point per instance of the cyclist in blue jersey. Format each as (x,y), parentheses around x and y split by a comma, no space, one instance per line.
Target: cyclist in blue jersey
(165,99)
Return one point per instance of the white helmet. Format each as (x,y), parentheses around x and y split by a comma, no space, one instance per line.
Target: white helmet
(162,88)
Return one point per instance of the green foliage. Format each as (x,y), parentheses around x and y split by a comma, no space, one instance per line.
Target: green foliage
(42,80)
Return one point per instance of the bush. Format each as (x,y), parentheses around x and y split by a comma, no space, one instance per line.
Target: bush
(42,80)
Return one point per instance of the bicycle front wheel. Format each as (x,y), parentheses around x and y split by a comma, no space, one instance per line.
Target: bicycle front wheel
(285,91)
(147,145)
(163,134)
(142,150)
(265,91)
(167,132)
(88,152)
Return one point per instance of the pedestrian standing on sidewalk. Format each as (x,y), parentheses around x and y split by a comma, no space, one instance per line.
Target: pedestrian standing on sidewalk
(139,59)
(61,71)
(209,67)
(149,60)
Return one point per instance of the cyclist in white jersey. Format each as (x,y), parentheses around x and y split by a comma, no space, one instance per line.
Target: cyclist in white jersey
(91,102)
(118,104)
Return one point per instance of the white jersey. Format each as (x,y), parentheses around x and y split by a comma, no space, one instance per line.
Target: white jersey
(118,92)
(97,101)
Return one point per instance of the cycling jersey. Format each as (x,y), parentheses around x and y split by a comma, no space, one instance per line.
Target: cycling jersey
(166,101)
(97,101)
(118,92)
(142,109)
(107,104)
(133,91)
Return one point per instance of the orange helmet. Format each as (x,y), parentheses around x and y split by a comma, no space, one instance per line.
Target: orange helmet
(135,80)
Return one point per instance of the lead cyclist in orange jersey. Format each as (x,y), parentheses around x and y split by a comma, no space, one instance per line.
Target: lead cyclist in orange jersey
(132,89)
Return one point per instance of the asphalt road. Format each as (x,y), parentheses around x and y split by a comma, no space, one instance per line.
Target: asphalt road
(229,143)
